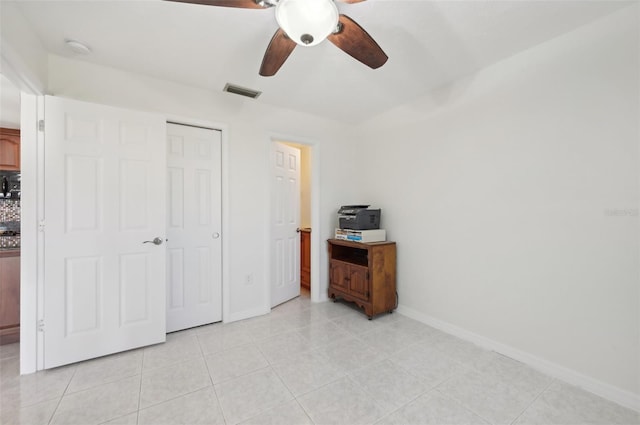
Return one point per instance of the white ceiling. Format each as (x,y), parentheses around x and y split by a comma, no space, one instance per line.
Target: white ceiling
(429,43)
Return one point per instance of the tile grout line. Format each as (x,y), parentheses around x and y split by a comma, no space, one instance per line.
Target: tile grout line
(454,399)
(75,369)
(393,410)
(459,403)
(533,401)
(430,390)
(213,386)
(290,392)
(144,354)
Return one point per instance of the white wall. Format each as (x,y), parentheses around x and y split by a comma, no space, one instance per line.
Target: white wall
(513,197)
(305,186)
(251,126)
(24,59)
(305,182)
(9,104)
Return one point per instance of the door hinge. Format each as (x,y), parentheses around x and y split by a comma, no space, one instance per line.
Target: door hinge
(41,226)
(41,325)
(41,125)
(367,274)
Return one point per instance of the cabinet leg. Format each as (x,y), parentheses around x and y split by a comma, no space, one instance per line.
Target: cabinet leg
(370,317)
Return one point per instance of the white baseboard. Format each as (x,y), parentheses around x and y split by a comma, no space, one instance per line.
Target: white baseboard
(246,314)
(323,299)
(610,392)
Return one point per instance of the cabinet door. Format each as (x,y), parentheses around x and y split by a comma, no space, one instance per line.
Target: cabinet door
(9,292)
(9,149)
(359,282)
(339,274)
(305,258)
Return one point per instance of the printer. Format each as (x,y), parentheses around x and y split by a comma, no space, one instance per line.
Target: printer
(358,217)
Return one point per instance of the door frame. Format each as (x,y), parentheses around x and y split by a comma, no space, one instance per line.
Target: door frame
(316,230)
(32,90)
(32,214)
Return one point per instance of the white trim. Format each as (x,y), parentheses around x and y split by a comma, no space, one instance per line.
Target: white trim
(224,129)
(610,392)
(316,294)
(31,109)
(41,217)
(29,233)
(247,314)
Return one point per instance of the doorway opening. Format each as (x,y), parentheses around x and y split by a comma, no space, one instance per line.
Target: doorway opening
(10,213)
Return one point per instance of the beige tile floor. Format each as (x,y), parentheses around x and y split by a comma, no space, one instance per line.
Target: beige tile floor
(301,364)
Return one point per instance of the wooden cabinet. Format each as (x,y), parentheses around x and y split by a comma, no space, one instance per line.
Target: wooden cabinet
(305,258)
(9,296)
(364,273)
(9,149)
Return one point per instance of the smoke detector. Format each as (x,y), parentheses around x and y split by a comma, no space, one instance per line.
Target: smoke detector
(77,47)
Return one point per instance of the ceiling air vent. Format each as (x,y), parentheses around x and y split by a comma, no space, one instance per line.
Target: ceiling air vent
(242,91)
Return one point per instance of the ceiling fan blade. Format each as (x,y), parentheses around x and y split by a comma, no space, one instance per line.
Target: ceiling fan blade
(244,4)
(277,52)
(355,41)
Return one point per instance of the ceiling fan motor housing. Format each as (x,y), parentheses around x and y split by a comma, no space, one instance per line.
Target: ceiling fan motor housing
(307,22)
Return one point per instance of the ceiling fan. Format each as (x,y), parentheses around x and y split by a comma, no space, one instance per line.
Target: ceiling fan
(307,23)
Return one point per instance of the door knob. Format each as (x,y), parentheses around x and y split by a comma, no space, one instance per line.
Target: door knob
(155,241)
(298,230)
(215,235)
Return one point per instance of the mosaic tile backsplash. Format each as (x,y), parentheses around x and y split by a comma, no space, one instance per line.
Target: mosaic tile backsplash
(9,212)
(9,242)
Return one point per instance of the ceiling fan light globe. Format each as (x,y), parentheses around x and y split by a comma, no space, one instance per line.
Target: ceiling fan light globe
(305,20)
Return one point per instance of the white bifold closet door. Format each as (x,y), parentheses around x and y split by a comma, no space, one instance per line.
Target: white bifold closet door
(194,246)
(104,287)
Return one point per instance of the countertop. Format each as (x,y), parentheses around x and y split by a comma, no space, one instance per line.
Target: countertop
(9,252)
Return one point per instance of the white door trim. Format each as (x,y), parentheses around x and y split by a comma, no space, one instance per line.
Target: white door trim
(31,108)
(31,246)
(316,244)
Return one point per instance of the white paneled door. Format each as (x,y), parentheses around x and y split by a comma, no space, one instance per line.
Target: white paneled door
(285,223)
(194,247)
(104,207)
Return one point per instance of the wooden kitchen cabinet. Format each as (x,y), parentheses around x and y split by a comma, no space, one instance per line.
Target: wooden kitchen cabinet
(9,296)
(9,149)
(363,273)
(305,258)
